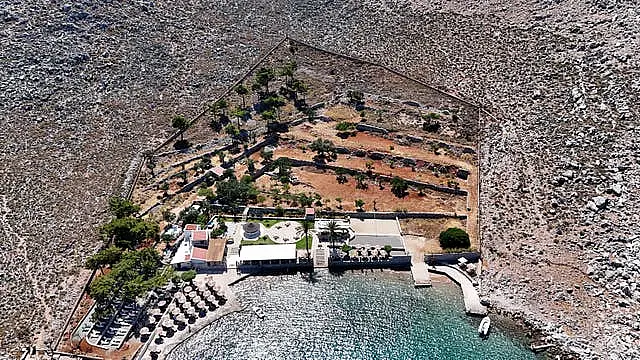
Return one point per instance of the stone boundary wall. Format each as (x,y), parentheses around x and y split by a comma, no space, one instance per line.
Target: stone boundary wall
(471,256)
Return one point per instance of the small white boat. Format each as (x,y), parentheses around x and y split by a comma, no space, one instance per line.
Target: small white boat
(258,311)
(483,329)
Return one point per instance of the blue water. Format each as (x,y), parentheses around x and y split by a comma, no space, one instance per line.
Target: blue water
(354,316)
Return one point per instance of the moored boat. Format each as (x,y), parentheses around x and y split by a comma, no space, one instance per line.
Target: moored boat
(483,329)
(258,311)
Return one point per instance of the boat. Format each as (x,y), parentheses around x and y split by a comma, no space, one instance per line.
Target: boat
(483,329)
(258,311)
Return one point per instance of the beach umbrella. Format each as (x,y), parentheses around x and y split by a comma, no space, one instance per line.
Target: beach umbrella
(196,299)
(211,284)
(187,289)
(206,294)
(162,303)
(201,287)
(211,299)
(191,312)
(201,305)
(145,331)
(167,324)
(181,300)
(186,306)
(151,320)
(156,312)
(175,311)
(180,318)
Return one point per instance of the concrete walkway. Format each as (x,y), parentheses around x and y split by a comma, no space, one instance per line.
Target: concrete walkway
(471,299)
(420,274)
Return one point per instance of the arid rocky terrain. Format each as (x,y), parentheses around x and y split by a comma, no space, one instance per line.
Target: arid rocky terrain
(87,86)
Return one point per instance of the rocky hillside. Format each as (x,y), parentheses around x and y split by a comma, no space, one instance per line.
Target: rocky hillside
(88,85)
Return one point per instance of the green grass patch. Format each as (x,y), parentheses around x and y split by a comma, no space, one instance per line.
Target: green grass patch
(261,241)
(300,244)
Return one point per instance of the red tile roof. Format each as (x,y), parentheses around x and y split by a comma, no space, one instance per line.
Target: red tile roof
(199,254)
(191,227)
(199,235)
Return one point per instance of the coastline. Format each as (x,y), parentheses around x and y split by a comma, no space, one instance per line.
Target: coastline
(513,326)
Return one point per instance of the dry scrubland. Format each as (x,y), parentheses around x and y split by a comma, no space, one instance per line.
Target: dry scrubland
(85,87)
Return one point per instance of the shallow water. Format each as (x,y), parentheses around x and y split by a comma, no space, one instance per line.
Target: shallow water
(353,316)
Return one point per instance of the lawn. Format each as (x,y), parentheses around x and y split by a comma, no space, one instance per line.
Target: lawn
(261,241)
(300,245)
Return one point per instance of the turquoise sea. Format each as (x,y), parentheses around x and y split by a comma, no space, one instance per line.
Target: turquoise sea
(371,315)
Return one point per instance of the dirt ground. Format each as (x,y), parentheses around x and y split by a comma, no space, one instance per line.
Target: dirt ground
(421,235)
(324,183)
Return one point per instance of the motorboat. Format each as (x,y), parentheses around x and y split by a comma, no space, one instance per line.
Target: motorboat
(258,311)
(483,329)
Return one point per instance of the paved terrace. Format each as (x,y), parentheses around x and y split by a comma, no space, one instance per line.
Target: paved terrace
(471,299)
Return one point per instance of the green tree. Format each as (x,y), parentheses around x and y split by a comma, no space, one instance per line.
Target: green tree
(268,115)
(359,204)
(454,238)
(263,77)
(121,207)
(108,256)
(180,123)
(251,165)
(306,226)
(325,149)
(288,70)
(399,187)
(129,232)
(267,156)
(242,91)
(232,131)
(284,170)
(361,182)
(240,114)
(233,193)
(187,276)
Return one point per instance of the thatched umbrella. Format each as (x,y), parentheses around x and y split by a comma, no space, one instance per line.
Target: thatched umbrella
(167,324)
(211,284)
(181,319)
(192,312)
(201,287)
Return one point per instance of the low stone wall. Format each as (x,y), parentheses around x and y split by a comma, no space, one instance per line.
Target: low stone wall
(471,256)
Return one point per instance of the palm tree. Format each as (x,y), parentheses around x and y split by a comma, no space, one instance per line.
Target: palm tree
(332,226)
(306,226)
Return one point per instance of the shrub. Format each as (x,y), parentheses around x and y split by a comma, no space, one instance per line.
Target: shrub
(454,238)
(187,276)
(345,126)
